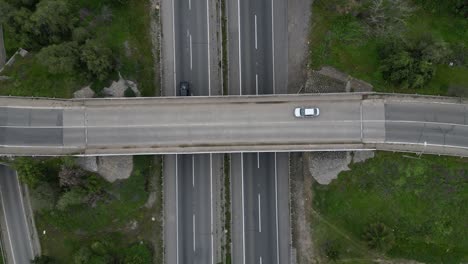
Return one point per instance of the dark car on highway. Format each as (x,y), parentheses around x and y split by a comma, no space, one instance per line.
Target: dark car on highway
(184,88)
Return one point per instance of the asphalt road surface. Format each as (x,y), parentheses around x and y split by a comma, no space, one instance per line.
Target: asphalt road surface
(252,241)
(17,236)
(224,124)
(193,174)
(259,68)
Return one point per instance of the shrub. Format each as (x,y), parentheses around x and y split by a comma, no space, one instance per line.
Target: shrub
(60,58)
(29,170)
(379,236)
(80,35)
(82,256)
(332,250)
(411,64)
(386,16)
(74,196)
(138,254)
(44,196)
(51,22)
(43,260)
(97,59)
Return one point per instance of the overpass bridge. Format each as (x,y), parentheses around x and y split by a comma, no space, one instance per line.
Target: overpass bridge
(132,126)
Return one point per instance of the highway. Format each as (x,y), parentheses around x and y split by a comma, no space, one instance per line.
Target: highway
(16,236)
(254,176)
(194,178)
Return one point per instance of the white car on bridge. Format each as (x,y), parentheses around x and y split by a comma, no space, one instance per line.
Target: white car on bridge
(306,112)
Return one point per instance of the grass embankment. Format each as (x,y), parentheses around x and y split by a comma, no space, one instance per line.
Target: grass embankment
(129,25)
(123,219)
(422,201)
(340,39)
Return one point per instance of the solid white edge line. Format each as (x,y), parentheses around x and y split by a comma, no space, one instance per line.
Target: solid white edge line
(255,16)
(208,41)
(86,126)
(194,242)
(190,45)
(193,170)
(360,110)
(256,83)
(273,46)
(240,60)
(211,207)
(239,123)
(177,209)
(259,215)
(24,214)
(258,160)
(243,213)
(173,48)
(8,230)
(276,202)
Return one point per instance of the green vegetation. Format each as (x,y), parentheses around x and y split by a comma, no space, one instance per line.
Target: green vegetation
(76,43)
(395,206)
(88,220)
(226,249)
(396,45)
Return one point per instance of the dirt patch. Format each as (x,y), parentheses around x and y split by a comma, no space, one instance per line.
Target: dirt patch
(85,92)
(155,33)
(301,207)
(87,163)
(114,168)
(325,166)
(331,80)
(117,88)
(298,31)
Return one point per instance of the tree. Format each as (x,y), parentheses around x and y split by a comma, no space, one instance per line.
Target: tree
(52,22)
(19,22)
(82,256)
(74,196)
(138,254)
(29,170)
(44,196)
(411,64)
(461,8)
(60,58)
(98,59)
(80,35)
(5,11)
(379,236)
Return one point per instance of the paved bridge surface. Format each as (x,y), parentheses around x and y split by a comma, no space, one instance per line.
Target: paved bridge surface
(31,126)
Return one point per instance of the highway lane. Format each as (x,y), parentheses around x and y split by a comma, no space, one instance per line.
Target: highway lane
(260,208)
(17,236)
(194,173)
(256,47)
(257,75)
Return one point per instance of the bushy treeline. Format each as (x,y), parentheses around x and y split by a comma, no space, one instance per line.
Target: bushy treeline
(60,186)
(62,33)
(105,251)
(405,61)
